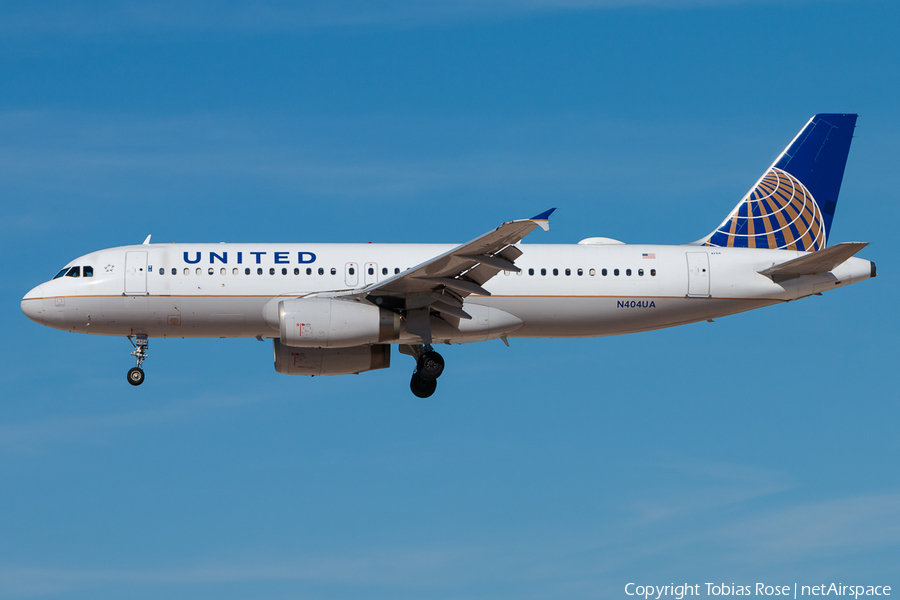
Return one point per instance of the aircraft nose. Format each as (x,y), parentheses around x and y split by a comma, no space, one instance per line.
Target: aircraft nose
(32,303)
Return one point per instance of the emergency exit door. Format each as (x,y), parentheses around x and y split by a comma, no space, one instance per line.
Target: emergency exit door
(351,274)
(371,273)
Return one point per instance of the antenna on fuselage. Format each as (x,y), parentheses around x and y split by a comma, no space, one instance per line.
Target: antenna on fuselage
(147,241)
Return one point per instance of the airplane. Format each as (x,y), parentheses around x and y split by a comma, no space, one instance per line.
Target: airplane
(335,309)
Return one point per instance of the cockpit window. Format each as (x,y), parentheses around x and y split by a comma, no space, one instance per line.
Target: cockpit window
(88,272)
(61,273)
(74,272)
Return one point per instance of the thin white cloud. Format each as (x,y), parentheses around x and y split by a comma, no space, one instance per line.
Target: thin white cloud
(772,541)
(54,153)
(35,436)
(87,19)
(714,485)
(746,519)
(383,566)
(818,528)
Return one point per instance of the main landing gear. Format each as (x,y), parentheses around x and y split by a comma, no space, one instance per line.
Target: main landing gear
(429,366)
(136,373)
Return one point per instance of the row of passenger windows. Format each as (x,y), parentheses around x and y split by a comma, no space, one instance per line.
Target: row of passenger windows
(591,272)
(272,271)
(88,272)
(75,272)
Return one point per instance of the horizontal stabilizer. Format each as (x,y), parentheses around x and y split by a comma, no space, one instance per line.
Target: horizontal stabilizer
(816,262)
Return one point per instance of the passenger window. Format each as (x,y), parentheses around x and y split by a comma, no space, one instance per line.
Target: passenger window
(506,273)
(616,272)
(531,271)
(352,271)
(161,272)
(580,272)
(259,270)
(652,272)
(592,272)
(246,270)
(555,272)
(333,271)
(235,271)
(321,271)
(568,272)
(396,270)
(222,271)
(284,270)
(296,271)
(187,271)
(61,273)
(174,271)
(604,272)
(384,271)
(628,272)
(271,270)
(640,272)
(543,271)
(211,271)
(309,271)
(371,271)
(199,271)
(74,272)
(89,272)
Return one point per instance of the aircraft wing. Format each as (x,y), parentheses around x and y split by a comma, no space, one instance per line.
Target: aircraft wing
(814,262)
(445,280)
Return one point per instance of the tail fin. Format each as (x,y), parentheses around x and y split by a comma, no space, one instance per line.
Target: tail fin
(792,205)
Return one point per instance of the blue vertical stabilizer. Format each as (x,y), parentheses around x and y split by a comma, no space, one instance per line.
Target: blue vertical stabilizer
(792,206)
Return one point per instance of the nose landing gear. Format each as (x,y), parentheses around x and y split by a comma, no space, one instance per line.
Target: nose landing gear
(429,366)
(136,373)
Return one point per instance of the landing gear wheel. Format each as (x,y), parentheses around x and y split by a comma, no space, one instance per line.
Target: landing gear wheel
(421,387)
(430,365)
(135,376)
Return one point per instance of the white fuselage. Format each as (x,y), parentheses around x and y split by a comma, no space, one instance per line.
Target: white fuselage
(226,290)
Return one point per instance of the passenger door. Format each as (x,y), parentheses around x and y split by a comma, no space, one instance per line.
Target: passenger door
(135,273)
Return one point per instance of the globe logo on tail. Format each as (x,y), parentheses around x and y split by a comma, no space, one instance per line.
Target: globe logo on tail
(778,213)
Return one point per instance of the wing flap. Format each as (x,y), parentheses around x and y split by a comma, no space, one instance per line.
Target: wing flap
(466,268)
(815,262)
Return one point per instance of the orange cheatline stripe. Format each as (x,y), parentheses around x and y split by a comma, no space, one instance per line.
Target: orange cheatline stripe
(601,296)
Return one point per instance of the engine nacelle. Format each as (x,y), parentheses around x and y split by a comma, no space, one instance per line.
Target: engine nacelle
(330,323)
(330,361)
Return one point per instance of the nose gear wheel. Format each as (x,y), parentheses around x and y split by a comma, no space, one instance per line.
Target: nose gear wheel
(135,376)
(136,373)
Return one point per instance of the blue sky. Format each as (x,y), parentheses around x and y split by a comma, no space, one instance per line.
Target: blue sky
(759,448)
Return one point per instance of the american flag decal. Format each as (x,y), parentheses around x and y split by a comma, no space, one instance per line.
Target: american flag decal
(650,255)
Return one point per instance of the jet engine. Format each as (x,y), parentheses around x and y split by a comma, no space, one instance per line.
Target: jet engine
(330,361)
(330,323)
